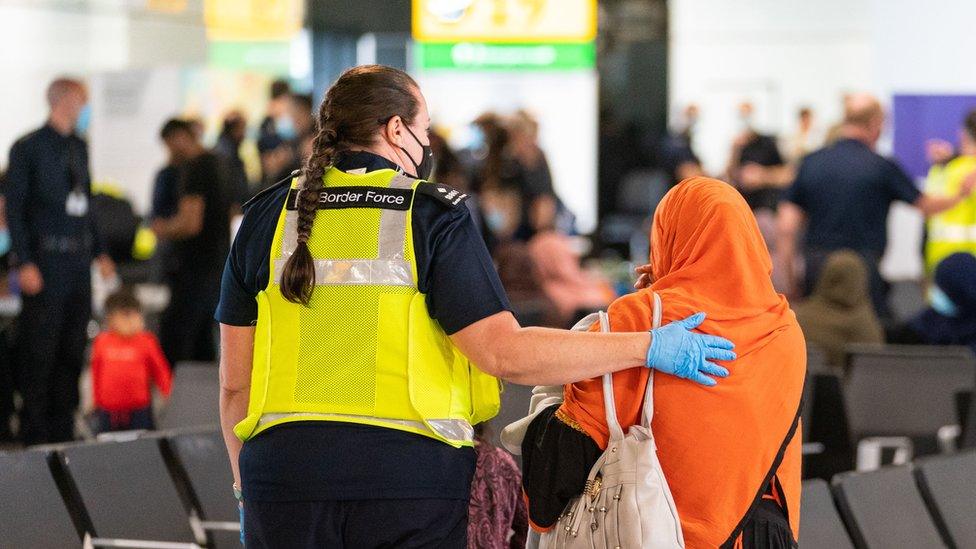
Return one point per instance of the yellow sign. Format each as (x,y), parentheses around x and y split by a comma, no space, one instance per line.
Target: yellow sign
(166,6)
(252,20)
(523,21)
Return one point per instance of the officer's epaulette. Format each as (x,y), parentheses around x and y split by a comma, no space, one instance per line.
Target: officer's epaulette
(445,194)
(271,189)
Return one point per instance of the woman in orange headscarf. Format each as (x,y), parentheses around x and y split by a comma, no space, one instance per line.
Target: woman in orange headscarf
(730,453)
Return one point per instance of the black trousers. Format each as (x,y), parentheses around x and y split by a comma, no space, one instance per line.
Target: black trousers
(53,333)
(358,524)
(187,326)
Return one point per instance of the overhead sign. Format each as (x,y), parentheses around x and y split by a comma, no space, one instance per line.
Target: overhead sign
(252,20)
(512,21)
(481,56)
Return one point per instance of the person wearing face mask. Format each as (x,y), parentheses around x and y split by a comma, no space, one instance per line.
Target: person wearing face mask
(363,332)
(950,318)
(54,242)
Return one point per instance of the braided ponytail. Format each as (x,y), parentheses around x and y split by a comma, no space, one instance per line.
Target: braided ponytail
(355,106)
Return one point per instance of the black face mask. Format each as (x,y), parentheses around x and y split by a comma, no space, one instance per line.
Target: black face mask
(426,165)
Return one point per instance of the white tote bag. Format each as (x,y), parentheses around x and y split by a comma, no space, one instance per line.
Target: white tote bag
(626,503)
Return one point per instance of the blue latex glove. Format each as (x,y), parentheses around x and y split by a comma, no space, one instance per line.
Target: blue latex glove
(240,513)
(678,351)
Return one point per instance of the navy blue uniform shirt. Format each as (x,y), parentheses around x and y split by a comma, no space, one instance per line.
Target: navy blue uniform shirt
(45,166)
(308,461)
(846,190)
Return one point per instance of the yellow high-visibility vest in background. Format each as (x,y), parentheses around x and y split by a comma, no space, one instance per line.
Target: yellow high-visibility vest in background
(365,350)
(954,230)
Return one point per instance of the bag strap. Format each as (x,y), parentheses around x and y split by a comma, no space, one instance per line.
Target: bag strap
(609,404)
(648,414)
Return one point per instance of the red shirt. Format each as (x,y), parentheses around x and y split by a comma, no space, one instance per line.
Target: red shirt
(123,369)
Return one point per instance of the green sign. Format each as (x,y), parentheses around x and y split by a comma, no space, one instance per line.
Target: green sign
(485,56)
(269,56)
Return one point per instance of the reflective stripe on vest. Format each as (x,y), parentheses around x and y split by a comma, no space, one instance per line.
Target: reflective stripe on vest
(951,233)
(388,269)
(450,429)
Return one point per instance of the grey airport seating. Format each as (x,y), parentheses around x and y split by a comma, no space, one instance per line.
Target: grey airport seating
(202,457)
(884,509)
(820,524)
(128,493)
(906,390)
(948,484)
(816,364)
(194,401)
(33,514)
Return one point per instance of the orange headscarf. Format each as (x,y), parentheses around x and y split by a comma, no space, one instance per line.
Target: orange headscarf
(718,446)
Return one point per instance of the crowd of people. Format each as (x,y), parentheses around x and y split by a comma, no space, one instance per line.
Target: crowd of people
(820,201)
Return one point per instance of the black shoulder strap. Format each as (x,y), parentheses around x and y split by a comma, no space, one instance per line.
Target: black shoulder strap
(272,188)
(445,194)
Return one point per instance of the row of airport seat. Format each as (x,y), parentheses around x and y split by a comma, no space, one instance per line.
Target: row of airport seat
(911,399)
(171,491)
(928,503)
(156,490)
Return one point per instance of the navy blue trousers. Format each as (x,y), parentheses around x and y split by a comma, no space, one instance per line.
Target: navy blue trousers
(357,524)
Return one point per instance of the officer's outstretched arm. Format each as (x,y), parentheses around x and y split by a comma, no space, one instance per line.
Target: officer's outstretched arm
(543,356)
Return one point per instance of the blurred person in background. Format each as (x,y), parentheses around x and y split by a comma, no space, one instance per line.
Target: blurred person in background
(574,291)
(8,370)
(953,230)
(166,194)
(841,196)
(166,185)
(950,318)
(232,134)
(756,167)
(448,170)
(198,126)
(678,156)
(302,115)
(54,242)
(276,130)
(295,127)
(279,95)
(840,312)
(806,139)
(500,205)
(276,157)
(490,158)
(200,234)
(126,362)
(529,174)
(497,518)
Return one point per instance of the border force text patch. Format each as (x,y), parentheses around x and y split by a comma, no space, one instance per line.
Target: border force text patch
(336,198)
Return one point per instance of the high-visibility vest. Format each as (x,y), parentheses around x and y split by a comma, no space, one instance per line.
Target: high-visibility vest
(364,350)
(954,230)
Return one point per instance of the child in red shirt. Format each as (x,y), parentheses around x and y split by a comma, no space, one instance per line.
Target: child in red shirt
(126,359)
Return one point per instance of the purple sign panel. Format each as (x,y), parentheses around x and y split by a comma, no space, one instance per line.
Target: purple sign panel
(918,118)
